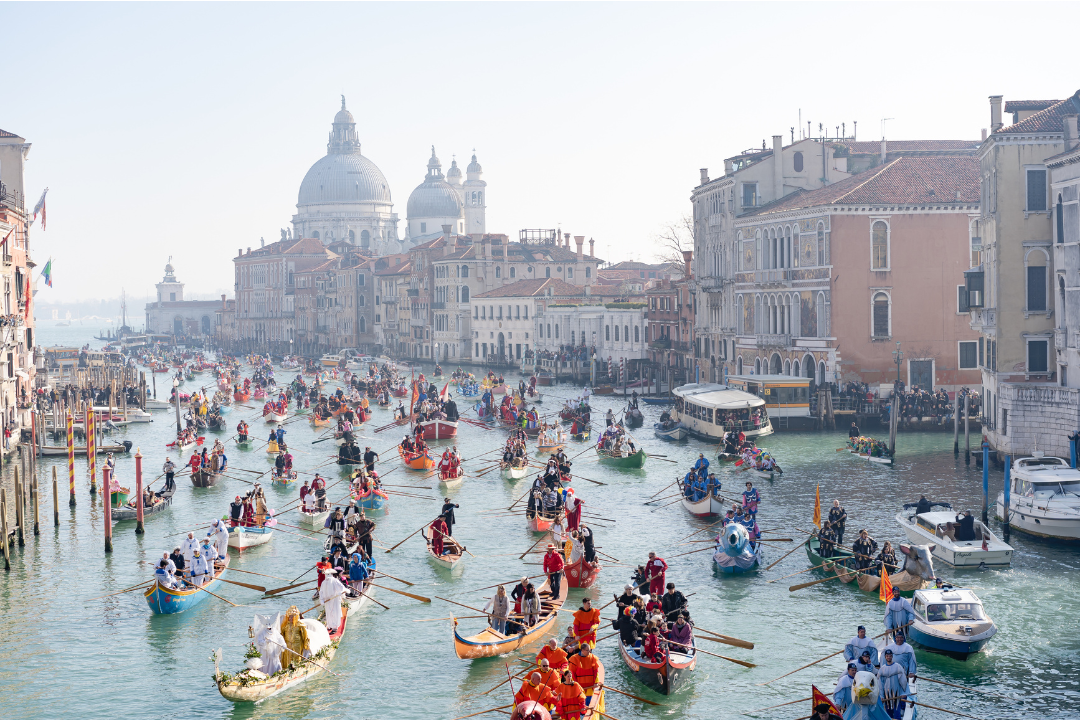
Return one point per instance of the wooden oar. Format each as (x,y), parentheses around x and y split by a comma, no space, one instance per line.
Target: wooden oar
(690,553)
(198,587)
(462,617)
(421,598)
(374,601)
(260,588)
(467,607)
(727,638)
(140,586)
(275,577)
(838,652)
(640,699)
(275,591)
(532,577)
(816,567)
(784,556)
(386,574)
(793,588)
(724,657)
(410,535)
(934,707)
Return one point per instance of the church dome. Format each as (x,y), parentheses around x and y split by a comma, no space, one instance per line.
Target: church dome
(474,167)
(453,175)
(434,198)
(344,178)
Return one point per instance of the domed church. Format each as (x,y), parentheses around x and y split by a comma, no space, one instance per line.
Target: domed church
(345,196)
(446,200)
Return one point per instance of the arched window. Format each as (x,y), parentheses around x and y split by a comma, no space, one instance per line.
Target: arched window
(464,271)
(363,324)
(498,271)
(352,237)
(607,332)
(794,369)
(315,234)
(757,366)
(626,333)
(572,334)
(513,272)
(464,293)
(361,301)
(792,257)
(480,198)
(547,272)
(1060,220)
(738,366)
(549,331)
(1036,262)
(569,272)
(821,244)
(637,334)
(881,315)
(757,250)
(616,333)
(798,162)
(365,238)
(556,331)
(819,316)
(879,246)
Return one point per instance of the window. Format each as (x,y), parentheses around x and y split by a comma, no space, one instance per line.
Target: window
(982,361)
(798,162)
(1037,356)
(588,272)
(361,280)
(881,315)
(464,271)
(607,332)
(526,312)
(556,331)
(749,194)
(464,293)
(1036,286)
(476,313)
(1036,190)
(517,312)
(821,244)
(547,272)
(879,246)
(569,272)
(498,271)
(172,297)
(549,331)
(513,272)
(363,324)
(626,333)
(423,227)
(616,333)
(968,355)
(962,299)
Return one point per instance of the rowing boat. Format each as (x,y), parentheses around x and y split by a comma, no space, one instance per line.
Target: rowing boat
(447,481)
(510,472)
(273,417)
(630,462)
(204,478)
(539,523)
(130,512)
(371,500)
(842,564)
(666,676)
(676,433)
(490,643)
(55,451)
(438,429)
(582,574)
(707,506)
(416,461)
(167,601)
(241,538)
(452,551)
(314,520)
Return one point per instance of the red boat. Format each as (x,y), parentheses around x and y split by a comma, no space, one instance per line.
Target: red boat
(241,396)
(582,574)
(400,392)
(439,429)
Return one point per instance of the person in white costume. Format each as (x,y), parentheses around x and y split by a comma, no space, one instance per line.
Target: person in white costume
(188,547)
(330,595)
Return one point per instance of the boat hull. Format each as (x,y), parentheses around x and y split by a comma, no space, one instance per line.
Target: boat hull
(959,553)
(491,644)
(371,500)
(630,462)
(678,433)
(514,473)
(706,507)
(163,601)
(539,524)
(959,645)
(314,521)
(242,538)
(416,462)
(202,479)
(1056,526)
(664,677)
(439,429)
(582,574)
(129,513)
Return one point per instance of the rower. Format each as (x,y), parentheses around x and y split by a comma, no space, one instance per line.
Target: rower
(838,518)
(841,694)
(169,469)
(164,576)
(894,685)
(864,548)
(860,644)
(898,611)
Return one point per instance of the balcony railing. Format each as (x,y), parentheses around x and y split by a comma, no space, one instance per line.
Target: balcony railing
(771,340)
(438,306)
(13,200)
(774,275)
(664,343)
(713,283)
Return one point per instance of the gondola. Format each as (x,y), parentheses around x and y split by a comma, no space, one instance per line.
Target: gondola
(675,432)
(204,478)
(453,551)
(166,601)
(634,418)
(130,512)
(490,643)
(666,676)
(656,401)
(582,436)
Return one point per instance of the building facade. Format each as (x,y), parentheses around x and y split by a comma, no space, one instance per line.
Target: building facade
(671,316)
(172,315)
(504,320)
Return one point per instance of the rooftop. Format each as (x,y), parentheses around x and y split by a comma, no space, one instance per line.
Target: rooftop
(904,181)
(535,288)
(1050,119)
(1021,105)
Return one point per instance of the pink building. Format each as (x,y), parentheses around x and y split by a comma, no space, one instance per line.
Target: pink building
(830,280)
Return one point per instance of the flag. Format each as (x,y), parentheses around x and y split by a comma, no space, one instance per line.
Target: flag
(817,698)
(27,296)
(7,237)
(443,395)
(46,273)
(415,397)
(817,506)
(885,589)
(40,208)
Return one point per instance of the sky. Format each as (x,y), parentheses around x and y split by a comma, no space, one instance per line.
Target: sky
(185,129)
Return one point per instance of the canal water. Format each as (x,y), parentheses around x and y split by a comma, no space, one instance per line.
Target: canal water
(65,652)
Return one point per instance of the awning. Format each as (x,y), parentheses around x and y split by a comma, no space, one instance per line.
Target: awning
(22,374)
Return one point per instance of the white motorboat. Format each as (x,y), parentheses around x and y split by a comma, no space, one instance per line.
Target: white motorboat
(152,404)
(950,620)
(929,528)
(134,414)
(1044,498)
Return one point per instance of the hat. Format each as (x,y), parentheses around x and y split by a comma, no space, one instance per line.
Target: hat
(866,653)
(851,666)
(551,546)
(822,707)
(861,627)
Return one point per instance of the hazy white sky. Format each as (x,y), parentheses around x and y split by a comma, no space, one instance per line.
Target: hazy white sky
(185,129)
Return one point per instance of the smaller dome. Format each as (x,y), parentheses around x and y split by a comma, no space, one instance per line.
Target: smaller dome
(169,269)
(344,116)
(433,163)
(453,175)
(474,167)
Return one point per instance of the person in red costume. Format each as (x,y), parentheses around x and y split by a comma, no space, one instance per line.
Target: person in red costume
(654,570)
(438,532)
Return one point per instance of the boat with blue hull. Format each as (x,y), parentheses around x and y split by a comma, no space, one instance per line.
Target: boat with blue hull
(371,500)
(676,432)
(734,554)
(166,601)
(950,620)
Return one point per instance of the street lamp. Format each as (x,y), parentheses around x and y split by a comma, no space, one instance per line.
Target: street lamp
(898,357)
(176,399)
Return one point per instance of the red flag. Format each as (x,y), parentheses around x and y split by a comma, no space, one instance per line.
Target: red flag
(818,698)
(7,237)
(442,395)
(885,589)
(27,316)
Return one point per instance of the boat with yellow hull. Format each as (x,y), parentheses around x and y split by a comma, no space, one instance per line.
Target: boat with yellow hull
(490,643)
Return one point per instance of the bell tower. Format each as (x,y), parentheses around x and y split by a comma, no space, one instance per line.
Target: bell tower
(475,196)
(170,289)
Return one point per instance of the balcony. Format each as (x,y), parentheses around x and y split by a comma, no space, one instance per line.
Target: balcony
(664,343)
(438,306)
(11,200)
(389,300)
(412,292)
(713,283)
(776,275)
(773,341)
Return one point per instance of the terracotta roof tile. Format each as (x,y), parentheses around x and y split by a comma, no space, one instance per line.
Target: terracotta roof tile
(1018,105)
(1051,119)
(535,288)
(894,147)
(904,181)
(6,134)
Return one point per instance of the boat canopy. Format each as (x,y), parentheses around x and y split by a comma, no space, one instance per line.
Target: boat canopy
(720,397)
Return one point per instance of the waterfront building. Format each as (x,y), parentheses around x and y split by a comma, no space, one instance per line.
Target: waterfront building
(1023,297)
(670,328)
(172,315)
(17,339)
(504,322)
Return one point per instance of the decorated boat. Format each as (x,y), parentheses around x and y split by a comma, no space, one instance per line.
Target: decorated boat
(416,461)
(490,642)
(539,523)
(917,573)
(734,553)
(582,436)
(582,574)
(167,601)
(162,502)
(241,538)
(317,421)
(868,448)
(373,499)
(666,676)
(438,429)
(283,479)
(452,551)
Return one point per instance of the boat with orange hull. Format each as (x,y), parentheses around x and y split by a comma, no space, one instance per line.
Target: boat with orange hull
(491,643)
(416,461)
(539,523)
(241,396)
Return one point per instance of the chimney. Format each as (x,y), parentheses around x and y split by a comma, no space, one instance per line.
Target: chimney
(249,250)
(729,167)
(483,246)
(448,240)
(688,255)
(1070,132)
(592,243)
(995,113)
(223,302)
(984,134)
(567,240)
(778,166)
(704,176)
(580,240)
(239,252)
(884,149)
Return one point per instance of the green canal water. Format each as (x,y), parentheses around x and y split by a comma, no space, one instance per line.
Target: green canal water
(65,654)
